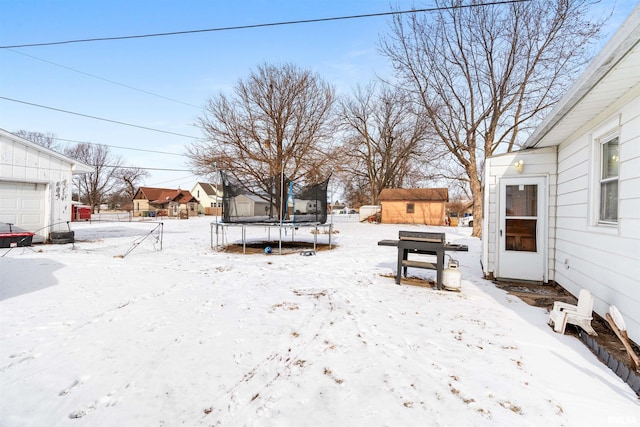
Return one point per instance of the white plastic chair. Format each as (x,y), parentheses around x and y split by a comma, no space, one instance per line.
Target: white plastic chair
(579,315)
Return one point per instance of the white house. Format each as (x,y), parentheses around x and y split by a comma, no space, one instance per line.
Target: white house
(209,196)
(35,186)
(566,208)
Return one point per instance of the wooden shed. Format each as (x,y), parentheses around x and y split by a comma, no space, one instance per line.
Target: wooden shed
(413,205)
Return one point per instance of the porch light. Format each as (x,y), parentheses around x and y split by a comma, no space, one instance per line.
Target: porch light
(519,165)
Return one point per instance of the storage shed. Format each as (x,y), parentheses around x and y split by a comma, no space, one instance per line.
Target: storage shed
(413,205)
(35,186)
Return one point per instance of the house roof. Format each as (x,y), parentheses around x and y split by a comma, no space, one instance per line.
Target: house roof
(178,196)
(150,193)
(609,77)
(77,167)
(414,194)
(210,189)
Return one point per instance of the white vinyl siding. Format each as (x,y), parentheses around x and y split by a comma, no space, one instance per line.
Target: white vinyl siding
(602,256)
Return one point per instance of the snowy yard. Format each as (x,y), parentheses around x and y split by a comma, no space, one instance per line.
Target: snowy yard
(190,336)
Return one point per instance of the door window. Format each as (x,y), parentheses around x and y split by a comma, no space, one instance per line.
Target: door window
(521,221)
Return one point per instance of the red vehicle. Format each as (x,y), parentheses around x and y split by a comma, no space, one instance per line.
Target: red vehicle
(81,213)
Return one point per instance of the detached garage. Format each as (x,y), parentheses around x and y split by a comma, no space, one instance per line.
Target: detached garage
(35,186)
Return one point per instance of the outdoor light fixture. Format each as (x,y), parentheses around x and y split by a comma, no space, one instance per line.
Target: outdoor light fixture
(519,165)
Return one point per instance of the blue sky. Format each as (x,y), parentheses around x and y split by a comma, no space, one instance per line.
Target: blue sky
(188,69)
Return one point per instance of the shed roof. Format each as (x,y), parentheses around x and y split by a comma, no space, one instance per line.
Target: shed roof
(415,194)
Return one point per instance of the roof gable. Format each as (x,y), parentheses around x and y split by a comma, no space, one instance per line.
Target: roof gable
(209,189)
(76,166)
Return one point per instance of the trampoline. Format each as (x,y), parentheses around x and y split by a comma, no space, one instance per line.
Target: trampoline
(276,203)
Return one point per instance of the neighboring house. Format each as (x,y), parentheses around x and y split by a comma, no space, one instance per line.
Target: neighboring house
(173,203)
(338,208)
(413,206)
(209,196)
(35,186)
(566,208)
(164,201)
(142,197)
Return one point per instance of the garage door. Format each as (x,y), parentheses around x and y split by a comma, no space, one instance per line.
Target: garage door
(23,204)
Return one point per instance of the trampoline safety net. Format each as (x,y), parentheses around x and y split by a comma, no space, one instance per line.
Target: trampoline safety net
(263,202)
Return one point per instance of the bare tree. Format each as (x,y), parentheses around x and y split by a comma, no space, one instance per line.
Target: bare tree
(384,140)
(486,75)
(47,140)
(128,180)
(94,187)
(279,117)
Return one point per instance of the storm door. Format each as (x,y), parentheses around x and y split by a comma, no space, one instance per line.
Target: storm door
(522,229)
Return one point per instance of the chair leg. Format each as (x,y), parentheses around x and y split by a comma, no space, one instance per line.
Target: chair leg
(586,325)
(560,324)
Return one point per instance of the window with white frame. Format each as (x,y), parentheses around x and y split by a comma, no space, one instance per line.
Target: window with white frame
(609,161)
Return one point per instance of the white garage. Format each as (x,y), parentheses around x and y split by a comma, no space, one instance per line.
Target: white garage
(35,186)
(23,204)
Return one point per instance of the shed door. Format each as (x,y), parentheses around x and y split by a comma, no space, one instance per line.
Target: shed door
(23,204)
(522,229)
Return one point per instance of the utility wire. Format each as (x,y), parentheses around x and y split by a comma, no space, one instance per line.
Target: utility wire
(98,118)
(157,184)
(104,79)
(116,146)
(146,169)
(272,24)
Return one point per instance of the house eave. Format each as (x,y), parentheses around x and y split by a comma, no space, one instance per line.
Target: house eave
(611,75)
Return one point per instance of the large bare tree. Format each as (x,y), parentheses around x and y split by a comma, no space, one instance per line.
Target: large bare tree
(384,141)
(486,75)
(94,187)
(278,117)
(128,179)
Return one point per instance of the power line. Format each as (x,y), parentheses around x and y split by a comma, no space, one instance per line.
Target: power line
(104,79)
(272,24)
(174,180)
(116,146)
(146,169)
(98,118)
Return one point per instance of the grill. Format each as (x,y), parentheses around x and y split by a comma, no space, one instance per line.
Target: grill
(424,243)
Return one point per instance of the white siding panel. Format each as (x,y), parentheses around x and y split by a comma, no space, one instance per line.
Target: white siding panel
(629,188)
(605,260)
(630,227)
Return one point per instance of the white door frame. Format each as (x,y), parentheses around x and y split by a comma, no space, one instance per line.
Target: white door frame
(520,265)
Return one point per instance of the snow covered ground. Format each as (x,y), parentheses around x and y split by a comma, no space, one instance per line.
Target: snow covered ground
(190,336)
